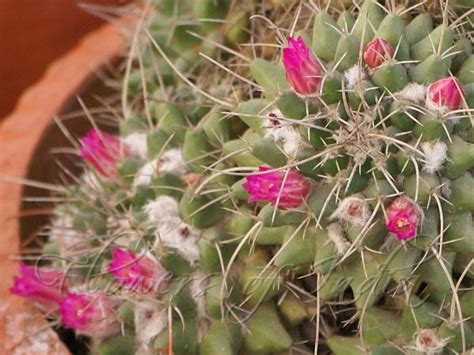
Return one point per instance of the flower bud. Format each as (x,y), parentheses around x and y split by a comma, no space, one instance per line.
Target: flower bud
(303,71)
(269,187)
(140,274)
(103,152)
(377,52)
(40,284)
(403,218)
(445,95)
(90,314)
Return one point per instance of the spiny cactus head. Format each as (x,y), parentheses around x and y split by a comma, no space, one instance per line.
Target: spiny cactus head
(319,197)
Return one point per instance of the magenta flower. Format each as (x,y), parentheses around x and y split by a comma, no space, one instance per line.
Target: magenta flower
(268,187)
(90,314)
(140,274)
(103,152)
(445,95)
(40,284)
(403,218)
(377,52)
(303,71)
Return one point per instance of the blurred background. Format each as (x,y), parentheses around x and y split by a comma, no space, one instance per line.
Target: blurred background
(36,32)
(53,51)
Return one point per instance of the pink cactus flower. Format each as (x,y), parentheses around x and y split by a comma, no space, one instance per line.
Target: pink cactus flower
(303,71)
(403,218)
(377,52)
(90,314)
(268,188)
(445,95)
(103,152)
(139,274)
(43,285)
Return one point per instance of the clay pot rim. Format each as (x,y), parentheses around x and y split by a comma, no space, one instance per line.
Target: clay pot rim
(32,114)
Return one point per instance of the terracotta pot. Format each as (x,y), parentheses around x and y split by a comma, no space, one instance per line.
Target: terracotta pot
(23,329)
(34,33)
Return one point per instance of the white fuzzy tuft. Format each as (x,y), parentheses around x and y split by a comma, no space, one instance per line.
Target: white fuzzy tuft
(173,233)
(433,106)
(198,291)
(435,155)
(150,321)
(427,341)
(354,210)
(137,144)
(412,92)
(288,137)
(161,207)
(336,235)
(354,75)
(197,287)
(172,162)
(283,133)
(63,234)
(145,174)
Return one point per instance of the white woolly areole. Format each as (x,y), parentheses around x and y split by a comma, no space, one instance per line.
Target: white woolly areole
(354,75)
(283,133)
(173,233)
(428,342)
(412,92)
(435,155)
(336,235)
(145,174)
(161,207)
(442,109)
(150,320)
(289,138)
(62,232)
(198,287)
(354,210)
(137,144)
(198,290)
(172,162)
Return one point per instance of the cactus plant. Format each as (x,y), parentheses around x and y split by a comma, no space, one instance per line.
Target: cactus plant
(326,209)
